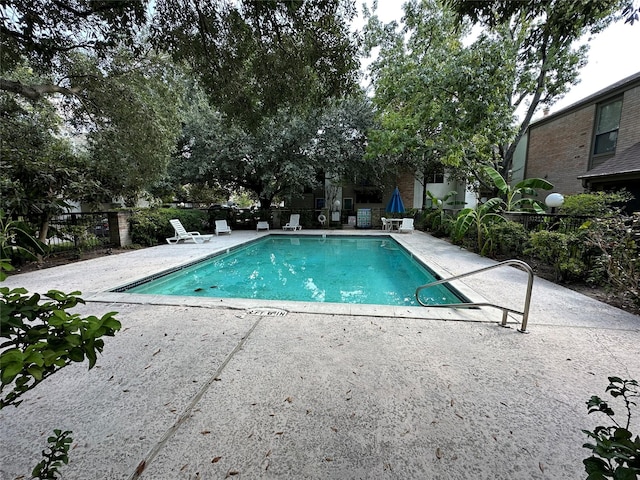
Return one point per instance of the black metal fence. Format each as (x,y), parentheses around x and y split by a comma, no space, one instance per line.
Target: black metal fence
(79,232)
(548,221)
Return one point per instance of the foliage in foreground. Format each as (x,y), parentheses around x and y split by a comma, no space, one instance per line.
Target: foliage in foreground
(54,456)
(615,453)
(41,338)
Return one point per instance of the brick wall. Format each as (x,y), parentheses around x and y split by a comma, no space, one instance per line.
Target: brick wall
(119,232)
(558,151)
(629,133)
(406,184)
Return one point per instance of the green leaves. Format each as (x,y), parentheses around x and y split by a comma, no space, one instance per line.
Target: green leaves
(615,453)
(56,455)
(255,58)
(481,217)
(514,197)
(281,156)
(40,338)
(46,34)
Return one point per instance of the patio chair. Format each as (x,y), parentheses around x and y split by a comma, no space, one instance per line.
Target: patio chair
(406,226)
(181,234)
(385,225)
(294,222)
(262,226)
(222,227)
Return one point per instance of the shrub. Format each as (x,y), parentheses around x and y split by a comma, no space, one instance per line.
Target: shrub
(41,338)
(617,242)
(564,252)
(506,238)
(615,453)
(438,222)
(477,220)
(597,204)
(17,244)
(151,226)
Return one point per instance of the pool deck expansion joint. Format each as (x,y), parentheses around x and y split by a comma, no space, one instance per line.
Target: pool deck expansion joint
(186,414)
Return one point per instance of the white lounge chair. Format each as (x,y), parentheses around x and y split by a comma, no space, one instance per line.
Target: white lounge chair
(262,226)
(385,225)
(406,226)
(222,227)
(181,234)
(294,222)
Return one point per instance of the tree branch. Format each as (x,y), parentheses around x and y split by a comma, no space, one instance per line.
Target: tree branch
(107,6)
(34,92)
(540,87)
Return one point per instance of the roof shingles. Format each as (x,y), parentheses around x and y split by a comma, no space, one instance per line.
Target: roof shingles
(626,162)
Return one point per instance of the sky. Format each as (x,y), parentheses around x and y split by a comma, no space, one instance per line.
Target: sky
(613,55)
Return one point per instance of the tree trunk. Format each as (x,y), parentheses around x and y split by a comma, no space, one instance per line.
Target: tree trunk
(265,203)
(424,190)
(507,161)
(43,232)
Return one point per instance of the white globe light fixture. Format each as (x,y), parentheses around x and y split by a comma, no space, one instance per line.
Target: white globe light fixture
(554,201)
(337,204)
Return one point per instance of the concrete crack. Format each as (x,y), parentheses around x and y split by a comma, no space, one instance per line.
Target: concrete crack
(146,461)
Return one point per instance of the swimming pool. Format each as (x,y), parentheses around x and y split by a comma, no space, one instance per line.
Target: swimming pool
(340,269)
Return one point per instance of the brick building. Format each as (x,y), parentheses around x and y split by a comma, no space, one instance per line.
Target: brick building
(593,144)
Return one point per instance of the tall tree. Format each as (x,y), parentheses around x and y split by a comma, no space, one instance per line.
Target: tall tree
(268,160)
(125,118)
(43,33)
(39,169)
(424,93)
(567,14)
(256,58)
(118,99)
(338,149)
(541,35)
(134,122)
(288,152)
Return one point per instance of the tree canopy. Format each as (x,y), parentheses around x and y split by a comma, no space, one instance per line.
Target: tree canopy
(446,98)
(439,102)
(256,58)
(40,170)
(115,73)
(43,33)
(565,16)
(288,152)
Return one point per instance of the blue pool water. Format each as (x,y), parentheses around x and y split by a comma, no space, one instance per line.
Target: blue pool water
(365,270)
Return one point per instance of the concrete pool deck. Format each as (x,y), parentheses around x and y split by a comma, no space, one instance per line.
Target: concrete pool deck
(206,390)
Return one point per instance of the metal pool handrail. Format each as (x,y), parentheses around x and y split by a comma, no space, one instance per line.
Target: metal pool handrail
(505,310)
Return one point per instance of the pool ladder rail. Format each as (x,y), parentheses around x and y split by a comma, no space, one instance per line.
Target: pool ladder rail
(505,310)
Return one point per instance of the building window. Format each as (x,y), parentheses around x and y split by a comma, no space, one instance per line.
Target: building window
(435,174)
(606,130)
(347,203)
(319,203)
(435,177)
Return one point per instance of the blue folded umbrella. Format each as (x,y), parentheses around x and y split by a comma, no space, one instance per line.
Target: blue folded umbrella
(395,205)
